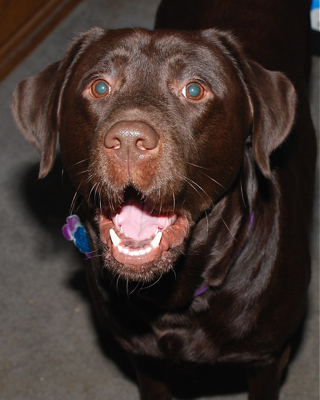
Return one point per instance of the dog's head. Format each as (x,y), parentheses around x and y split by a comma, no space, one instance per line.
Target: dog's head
(153,128)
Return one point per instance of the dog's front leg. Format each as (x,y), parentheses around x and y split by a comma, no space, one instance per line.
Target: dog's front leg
(151,379)
(264,382)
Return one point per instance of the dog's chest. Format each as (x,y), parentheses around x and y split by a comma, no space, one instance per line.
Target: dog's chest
(199,334)
(175,336)
(187,344)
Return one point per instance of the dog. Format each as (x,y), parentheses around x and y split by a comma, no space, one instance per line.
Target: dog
(192,151)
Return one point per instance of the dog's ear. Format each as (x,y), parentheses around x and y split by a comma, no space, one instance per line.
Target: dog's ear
(274,102)
(272,98)
(34,106)
(35,101)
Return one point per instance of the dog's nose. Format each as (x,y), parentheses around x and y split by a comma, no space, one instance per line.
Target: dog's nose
(130,140)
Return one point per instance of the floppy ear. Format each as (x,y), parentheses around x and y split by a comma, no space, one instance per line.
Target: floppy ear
(272,98)
(35,101)
(34,106)
(274,103)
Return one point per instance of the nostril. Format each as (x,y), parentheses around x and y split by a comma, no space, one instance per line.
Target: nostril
(112,142)
(147,142)
(141,145)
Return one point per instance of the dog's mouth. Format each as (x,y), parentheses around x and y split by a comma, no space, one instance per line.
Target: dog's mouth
(136,234)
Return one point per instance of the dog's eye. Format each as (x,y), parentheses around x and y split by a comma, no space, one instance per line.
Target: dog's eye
(193,91)
(100,88)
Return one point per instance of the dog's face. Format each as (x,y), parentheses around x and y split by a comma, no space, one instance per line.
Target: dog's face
(158,137)
(153,129)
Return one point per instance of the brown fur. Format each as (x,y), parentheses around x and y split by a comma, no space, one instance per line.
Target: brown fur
(245,150)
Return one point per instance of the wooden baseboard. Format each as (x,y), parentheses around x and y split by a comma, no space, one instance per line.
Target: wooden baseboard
(30,33)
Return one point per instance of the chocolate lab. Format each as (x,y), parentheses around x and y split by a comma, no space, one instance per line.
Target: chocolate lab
(193,159)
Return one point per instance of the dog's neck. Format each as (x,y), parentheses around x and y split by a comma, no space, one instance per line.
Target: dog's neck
(205,288)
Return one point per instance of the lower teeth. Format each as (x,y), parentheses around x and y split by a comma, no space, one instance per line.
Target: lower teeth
(141,252)
(134,253)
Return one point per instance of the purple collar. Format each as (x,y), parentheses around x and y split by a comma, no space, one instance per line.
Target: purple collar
(201,290)
(205,288)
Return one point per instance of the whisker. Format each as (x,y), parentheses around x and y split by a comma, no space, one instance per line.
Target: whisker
(100,199)
(195,183)
(208,169)
(215,181)
(75,198)
(174,202)
(81,172)
(89,178)
(228,229)
(135,288)
(79,205)
(96,193)
(79,162)
(207,221)
(111,205)
(153,283)
(95,254)
(242,194)
(74,202)
(199,166)
(113,277)
(92,189)
(92,255)
(189,182)
(174,273)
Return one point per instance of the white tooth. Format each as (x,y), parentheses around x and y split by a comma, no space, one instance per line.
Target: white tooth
(114,238)
(148,249)
(125,250)
(120,248)
(142,252)
(155,242)
(134,253)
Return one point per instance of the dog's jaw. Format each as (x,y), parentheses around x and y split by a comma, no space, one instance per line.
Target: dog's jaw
(137,239)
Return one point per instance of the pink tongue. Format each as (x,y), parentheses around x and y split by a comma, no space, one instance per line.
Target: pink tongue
(138,223)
